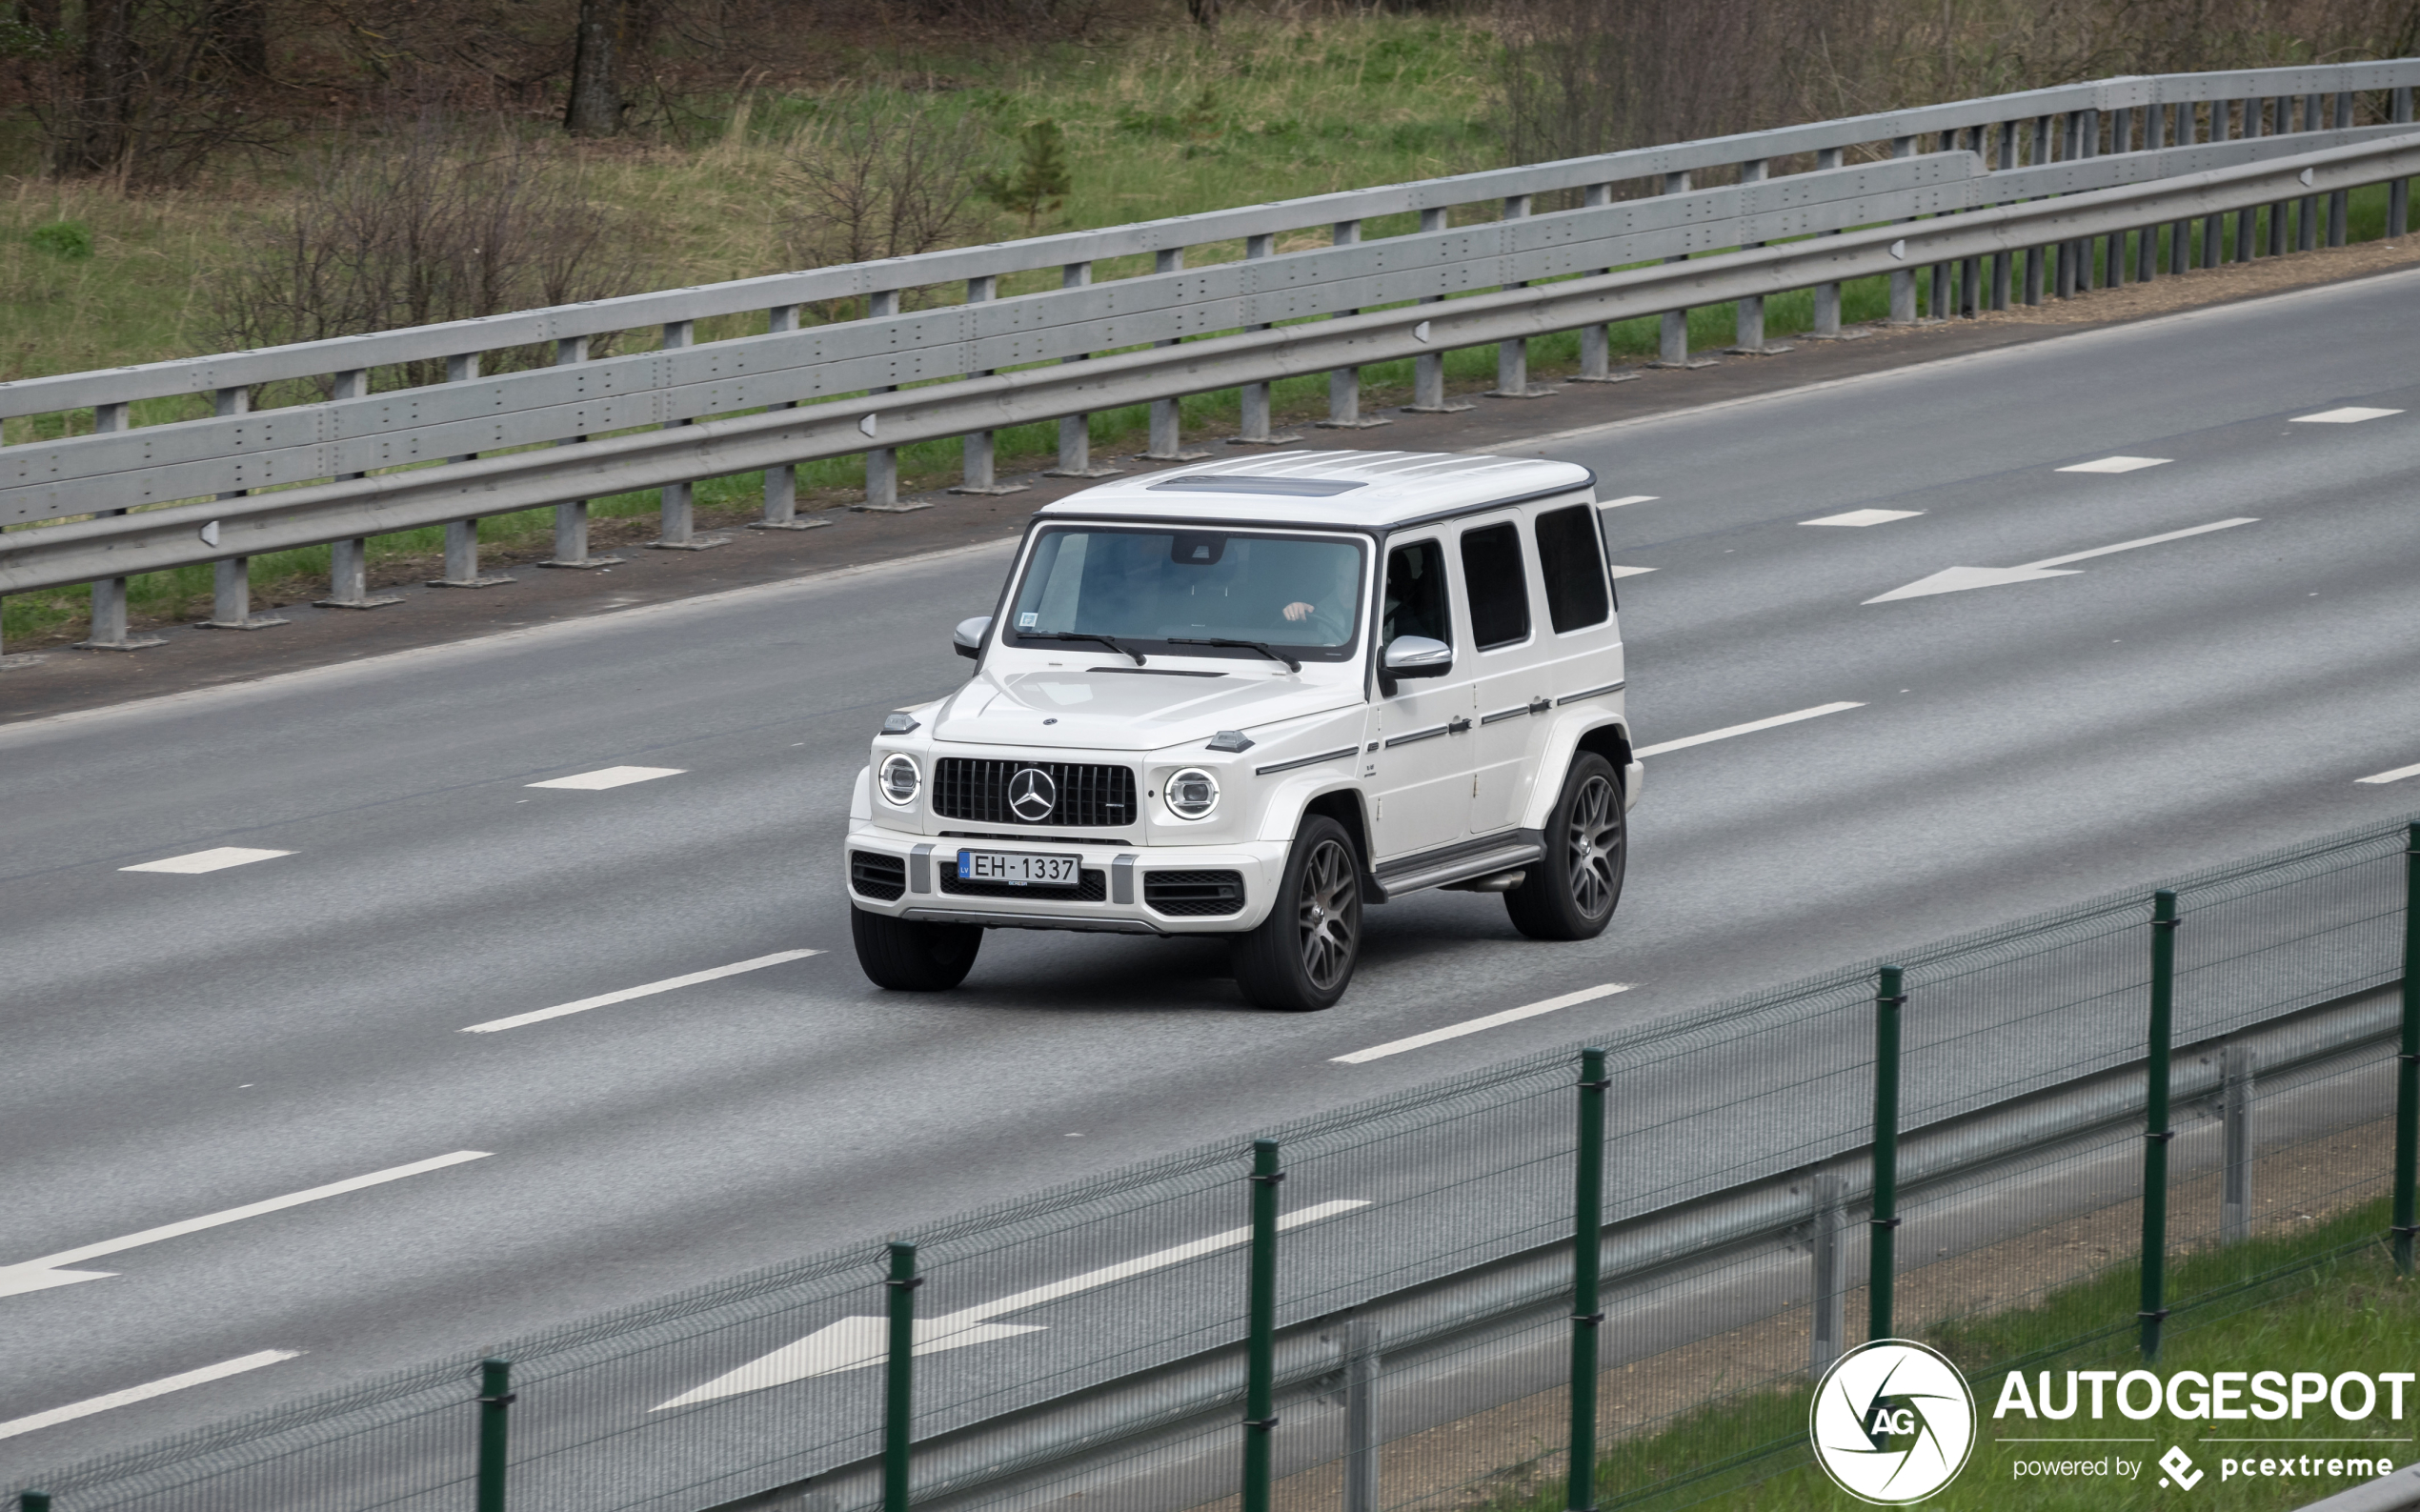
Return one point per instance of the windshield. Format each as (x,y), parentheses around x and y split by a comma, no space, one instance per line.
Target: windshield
(1299,594)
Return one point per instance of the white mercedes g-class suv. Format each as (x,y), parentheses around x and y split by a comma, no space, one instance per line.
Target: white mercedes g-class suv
(1250,699)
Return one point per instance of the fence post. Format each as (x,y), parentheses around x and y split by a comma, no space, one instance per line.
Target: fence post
(232,577)
(496,1399)
(1747,314)
(2156,1133)
(571,516)
(1828,1330)
(2236,1135)
(1902,280)
(1252,399)
(2408,1065)
(2399,191)
(1587,1240)
(1361,1344)
(33,1502)
(462,537)
(781,479)
(1882,1251)
(1596,340)
(108,594)
(1076,431)
(1260,1388)
(898,1392)
(2340,203)
(1512,355)
(881,462)
(2038,258)
(1428,368)
(1344,384)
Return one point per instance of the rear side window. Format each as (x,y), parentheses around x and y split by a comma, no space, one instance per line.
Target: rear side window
(1499,591)
(1572,567)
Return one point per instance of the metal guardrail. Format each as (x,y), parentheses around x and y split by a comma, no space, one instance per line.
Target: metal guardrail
(2074,141)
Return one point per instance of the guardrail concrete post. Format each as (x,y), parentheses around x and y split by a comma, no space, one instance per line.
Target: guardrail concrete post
(2236,1138)
(495,1402)
(2146,250)
(571,516)
(1748,315)
(1076,431)
(2214,224)
(232,577)
(2407,1061)
(2180,234)
(1902,280)
(1360,1414)
(2004,262)
(462,537)
(2122,141)
(1428,368)
(2340,203)
(1827,1333)
(977,457)
(2399,191)
(1587,1255)
(1344,384)
(781,479)
(2156,1133)
(2039,259)
(1882,1262)
(1512,356)
(1596,341)
(1167,415)
(348,560)
(899,1382)
(881,462)
(1672,343)
(1827,326)
(108,594)
(677,529)
(2247,218)
(2306,227)
(2088,275)
(1261,1322)
(1252,399)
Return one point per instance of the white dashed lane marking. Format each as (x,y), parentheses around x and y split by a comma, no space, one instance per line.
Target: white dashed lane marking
(668,985)
(604,777)
(1859,517)
(219,859)
(2396,776)
(143,1393)
(2118,464)
(1629,572)
(1632,499)
(1749,728)
(2350,415)
(1472,1027)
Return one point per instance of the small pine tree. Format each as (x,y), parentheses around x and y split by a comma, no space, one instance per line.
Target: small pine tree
(1041,181)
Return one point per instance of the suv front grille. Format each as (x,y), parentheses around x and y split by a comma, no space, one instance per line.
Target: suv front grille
(878,875)
(1198,894)
(1082,794)
(1089,888)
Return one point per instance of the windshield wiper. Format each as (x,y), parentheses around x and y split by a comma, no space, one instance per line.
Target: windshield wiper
(1078,635)
(1291,665)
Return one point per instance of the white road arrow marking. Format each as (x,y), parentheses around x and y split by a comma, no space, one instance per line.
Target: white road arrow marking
(1954,579)
(855,1342)
(38,1275)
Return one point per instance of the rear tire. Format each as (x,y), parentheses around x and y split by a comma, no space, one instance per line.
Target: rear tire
(907,954)
(1571,894)
(1300,959)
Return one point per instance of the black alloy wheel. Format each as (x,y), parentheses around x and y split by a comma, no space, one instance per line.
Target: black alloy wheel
(1300,959)
(1571,893)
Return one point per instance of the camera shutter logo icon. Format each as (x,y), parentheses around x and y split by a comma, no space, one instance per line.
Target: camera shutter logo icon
(1892,1423)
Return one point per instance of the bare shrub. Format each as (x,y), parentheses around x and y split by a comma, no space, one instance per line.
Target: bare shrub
(419,224)
(870,181)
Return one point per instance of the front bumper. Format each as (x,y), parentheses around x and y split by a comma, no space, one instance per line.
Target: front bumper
(1126,890)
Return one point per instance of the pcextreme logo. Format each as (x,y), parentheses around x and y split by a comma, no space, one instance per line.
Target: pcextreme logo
(1892,1421)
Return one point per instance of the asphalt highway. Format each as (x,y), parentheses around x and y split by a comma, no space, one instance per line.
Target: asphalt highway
(180,1044)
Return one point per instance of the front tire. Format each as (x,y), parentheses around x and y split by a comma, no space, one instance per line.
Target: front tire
(1300,959)
(907,954)
(1571,894)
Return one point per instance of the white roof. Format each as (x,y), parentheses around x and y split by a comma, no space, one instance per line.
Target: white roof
(1357,490)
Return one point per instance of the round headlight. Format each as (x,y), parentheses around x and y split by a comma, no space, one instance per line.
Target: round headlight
(898,779)
(1191,794)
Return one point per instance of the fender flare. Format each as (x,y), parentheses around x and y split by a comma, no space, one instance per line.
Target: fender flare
(1582,729)
(861,798)
(1339,796)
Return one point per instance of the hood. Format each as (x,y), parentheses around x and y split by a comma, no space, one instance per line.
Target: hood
(1112,711)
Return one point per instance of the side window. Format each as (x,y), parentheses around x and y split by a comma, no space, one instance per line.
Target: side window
(1416,594)
(1572,567)
(1499,592)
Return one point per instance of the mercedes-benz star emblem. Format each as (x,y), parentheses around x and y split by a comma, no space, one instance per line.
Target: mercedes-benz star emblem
(1032,794)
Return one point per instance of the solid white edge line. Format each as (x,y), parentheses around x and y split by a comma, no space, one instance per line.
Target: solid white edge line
(2396,776)
(191,1225)
(134,1393)
(1749,728)
(1472,1027)
(607,999)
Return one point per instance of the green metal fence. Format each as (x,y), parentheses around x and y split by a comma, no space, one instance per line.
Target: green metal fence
(1638,1250)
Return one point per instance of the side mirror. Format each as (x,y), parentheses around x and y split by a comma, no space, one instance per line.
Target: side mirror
(968,641)
(1417,657)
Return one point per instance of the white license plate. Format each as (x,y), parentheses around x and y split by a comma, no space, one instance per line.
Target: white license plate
(1018,868)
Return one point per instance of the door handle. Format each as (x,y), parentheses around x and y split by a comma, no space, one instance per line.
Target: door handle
(1457,726)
